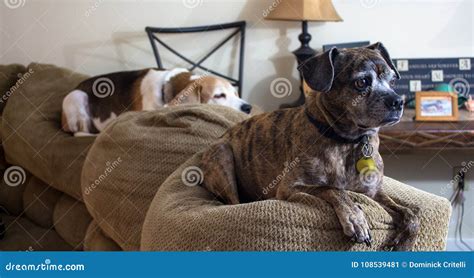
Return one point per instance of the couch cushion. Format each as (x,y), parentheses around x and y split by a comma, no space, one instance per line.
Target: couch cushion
(31,129)
(9,75)
(136,153)
(11,194)
(23,235)
(39,201)
(183,217)
(96,240)
(71,220)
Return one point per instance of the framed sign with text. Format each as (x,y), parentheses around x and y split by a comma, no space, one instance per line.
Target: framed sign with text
(426,74)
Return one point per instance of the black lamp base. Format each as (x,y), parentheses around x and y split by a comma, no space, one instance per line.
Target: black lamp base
(302,54)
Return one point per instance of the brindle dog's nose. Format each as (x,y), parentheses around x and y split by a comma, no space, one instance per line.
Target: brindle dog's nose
(246,108)
(394,102)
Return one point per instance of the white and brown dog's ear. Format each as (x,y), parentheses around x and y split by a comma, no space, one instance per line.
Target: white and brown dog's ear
(191,94)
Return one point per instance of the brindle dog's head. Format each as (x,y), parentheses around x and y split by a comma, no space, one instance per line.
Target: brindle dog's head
(356,85)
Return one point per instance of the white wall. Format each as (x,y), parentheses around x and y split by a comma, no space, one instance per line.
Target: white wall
(100,36)
(432,172)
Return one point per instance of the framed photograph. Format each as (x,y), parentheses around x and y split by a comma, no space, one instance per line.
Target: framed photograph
(345,45)
(436,106)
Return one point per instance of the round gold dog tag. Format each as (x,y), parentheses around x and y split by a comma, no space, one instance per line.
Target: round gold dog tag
(366,164)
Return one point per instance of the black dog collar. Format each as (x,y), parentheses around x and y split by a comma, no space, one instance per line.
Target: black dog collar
(328,132)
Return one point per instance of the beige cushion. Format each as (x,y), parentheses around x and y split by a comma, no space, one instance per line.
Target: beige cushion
(11,197)
(9,75)
(189,218)
(39,201)
(136,153)
(71,220)
(23,235)
(31,129)
(96,240)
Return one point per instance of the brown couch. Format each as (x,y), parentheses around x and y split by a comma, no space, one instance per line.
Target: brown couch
(131,195)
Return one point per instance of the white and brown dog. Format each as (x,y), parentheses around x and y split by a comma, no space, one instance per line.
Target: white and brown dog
(98,100)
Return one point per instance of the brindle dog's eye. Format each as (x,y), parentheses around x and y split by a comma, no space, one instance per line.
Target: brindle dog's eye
(362,84)
(392,82)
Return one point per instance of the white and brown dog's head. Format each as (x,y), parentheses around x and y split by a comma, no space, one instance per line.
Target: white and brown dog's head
(211,90)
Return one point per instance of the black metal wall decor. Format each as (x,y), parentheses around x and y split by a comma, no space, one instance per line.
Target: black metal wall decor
(239,27)
(427,74)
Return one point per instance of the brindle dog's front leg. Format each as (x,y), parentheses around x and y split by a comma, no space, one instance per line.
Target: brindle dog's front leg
(219,173)
(407,223)
(351,217)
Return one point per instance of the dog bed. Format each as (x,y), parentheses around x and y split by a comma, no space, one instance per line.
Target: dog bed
(134,156)
(183,217)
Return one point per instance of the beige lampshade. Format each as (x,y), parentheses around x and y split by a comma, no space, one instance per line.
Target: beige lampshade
(299,10)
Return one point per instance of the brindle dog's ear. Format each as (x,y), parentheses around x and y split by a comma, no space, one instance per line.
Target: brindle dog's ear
(318,71)
(383,51)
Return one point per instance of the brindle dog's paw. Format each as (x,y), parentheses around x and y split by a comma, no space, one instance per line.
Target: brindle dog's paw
(405,237)
(354,225)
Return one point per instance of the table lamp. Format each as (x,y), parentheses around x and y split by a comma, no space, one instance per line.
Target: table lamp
(304,11)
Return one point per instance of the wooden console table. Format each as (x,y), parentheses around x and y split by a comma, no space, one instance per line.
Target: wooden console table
(409,135)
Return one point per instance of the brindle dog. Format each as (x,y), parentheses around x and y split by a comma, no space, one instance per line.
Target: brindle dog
(322,141)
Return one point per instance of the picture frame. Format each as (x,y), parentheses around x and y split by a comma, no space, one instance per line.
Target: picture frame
(437,106)
(326,47)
